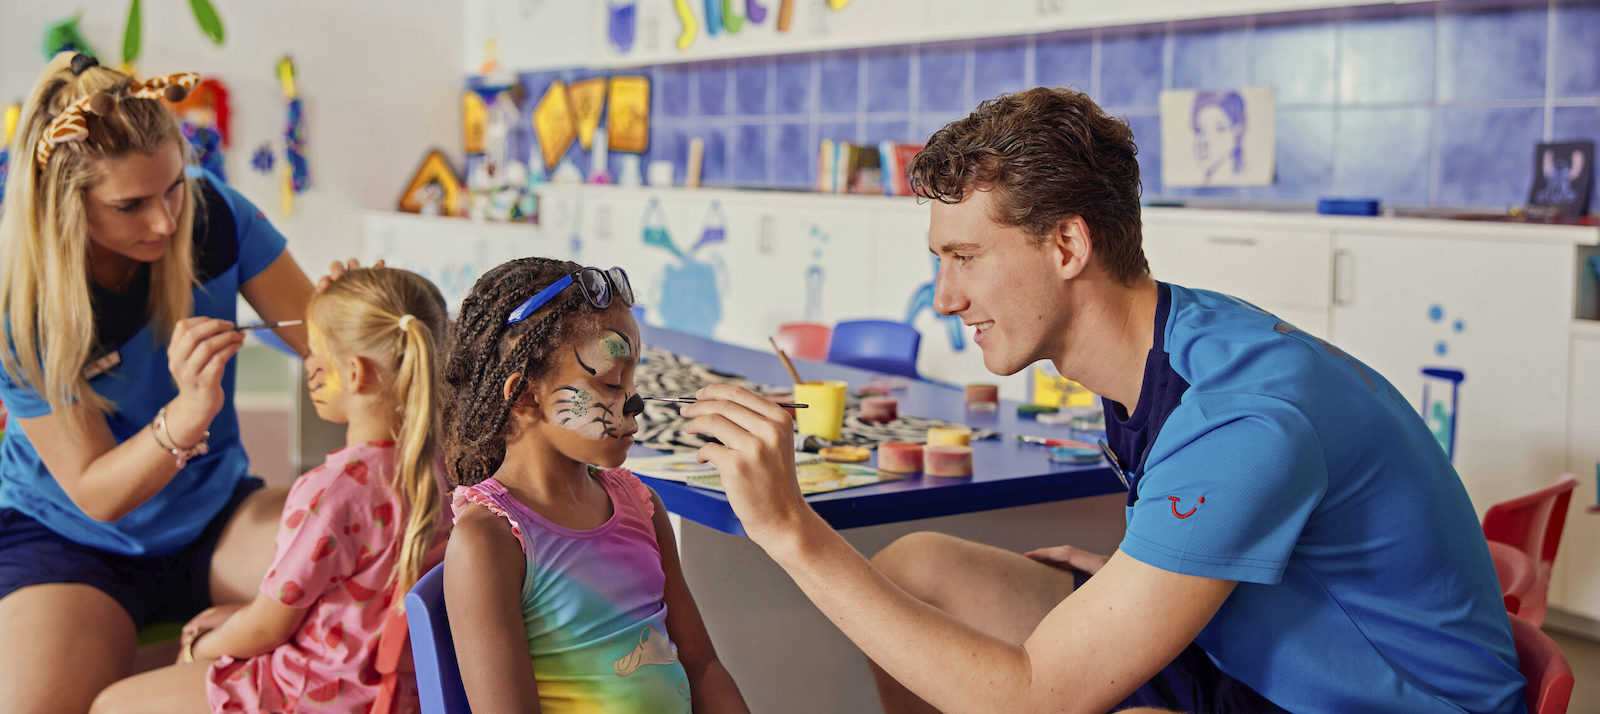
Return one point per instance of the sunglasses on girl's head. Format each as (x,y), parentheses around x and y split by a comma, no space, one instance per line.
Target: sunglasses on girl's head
(598,287)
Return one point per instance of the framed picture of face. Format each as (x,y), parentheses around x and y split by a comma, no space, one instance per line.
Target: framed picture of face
(1217,137)
(1562,175)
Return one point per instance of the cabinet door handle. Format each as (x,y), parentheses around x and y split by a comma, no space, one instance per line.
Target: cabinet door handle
(1230,240)
(1341,277)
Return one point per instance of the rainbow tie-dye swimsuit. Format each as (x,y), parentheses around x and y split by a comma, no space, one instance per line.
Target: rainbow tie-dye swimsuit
(592,604)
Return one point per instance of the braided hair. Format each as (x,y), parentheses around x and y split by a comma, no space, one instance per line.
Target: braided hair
(484,352)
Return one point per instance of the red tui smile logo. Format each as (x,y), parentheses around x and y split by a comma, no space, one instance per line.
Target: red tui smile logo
(1175,499)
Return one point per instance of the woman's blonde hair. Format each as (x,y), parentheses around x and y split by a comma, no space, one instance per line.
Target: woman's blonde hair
(44,236)
(396,319)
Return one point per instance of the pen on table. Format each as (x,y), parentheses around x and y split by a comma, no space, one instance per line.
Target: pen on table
(265,325)
(691,400)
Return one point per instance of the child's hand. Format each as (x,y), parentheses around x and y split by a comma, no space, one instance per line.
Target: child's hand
(210,619)
(337,269)
(755,458)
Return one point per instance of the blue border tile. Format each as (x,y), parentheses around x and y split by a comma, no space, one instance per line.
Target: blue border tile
(1303,163)
(1383,153)
(1296,60)
(942,81)
(999,68)
(1388,59)
(1210,59)
(1064,61)
(1497,54)
(749,155)
(1486,155)
(1131,69)
(1577,73)
(796,157)
(793,87)
(888,79)
(839,83)
(750,87)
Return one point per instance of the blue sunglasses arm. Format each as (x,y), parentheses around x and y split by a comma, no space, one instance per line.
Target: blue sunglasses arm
(538,300)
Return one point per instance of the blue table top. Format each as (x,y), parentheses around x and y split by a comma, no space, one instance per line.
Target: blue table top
(1006,472)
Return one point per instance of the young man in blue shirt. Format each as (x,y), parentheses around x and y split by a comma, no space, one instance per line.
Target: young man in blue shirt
(1295,538)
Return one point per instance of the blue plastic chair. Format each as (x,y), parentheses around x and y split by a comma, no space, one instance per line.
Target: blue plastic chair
(433,651)
(878,345)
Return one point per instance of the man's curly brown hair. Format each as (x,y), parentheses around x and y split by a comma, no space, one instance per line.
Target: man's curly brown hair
(1048,154)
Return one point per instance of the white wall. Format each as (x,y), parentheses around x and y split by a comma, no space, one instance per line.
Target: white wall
(379,80)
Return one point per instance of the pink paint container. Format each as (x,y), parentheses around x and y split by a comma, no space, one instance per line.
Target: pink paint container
(983,397)
(947,460)
(901,457)
(878,410)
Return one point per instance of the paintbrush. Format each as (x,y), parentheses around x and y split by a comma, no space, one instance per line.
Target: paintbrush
(786,363)
(265,325)
(692,400)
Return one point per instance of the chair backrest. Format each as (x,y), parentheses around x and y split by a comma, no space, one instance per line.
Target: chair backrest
(1541,662)
(878,345)
(804,340)
(1533,523)
(433,651)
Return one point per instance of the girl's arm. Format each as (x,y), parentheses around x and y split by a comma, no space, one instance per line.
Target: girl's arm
(483,574)
(258,628)
(281,292)
(711,688)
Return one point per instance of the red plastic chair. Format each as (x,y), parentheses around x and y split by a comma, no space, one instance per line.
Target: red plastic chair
(805,340)
(1541,662)
(1533,524)
(1516,573)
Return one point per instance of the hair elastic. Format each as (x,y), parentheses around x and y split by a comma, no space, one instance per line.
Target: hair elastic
(405,320)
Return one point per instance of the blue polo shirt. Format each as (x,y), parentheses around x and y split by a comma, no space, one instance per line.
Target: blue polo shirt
(1264,455)
(232,243)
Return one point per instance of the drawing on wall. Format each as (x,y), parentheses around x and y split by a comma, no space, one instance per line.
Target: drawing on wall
(690,298)
(816,275)
(1439,404)
(1218,137)
(1562,174)
(620,24)
(922,299)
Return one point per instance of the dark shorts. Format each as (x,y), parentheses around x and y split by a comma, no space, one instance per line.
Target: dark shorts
(1192,683)
(170,587)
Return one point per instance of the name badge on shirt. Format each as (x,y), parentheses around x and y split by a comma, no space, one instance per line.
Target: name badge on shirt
(101,365)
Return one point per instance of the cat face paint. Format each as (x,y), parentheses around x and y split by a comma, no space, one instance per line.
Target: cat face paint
(596,404)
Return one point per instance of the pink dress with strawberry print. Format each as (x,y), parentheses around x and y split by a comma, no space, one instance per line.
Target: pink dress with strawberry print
(337,543)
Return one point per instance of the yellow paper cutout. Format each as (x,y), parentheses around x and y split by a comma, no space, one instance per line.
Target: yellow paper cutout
(474,122)
(552,121)
(1053,390)
(628,122)
(588,102)
(435,169)
(686,16)
(13,115)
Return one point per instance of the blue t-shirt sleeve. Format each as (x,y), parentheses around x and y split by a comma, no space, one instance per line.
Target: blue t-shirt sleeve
(1227,491)
(260,243)
(20,401)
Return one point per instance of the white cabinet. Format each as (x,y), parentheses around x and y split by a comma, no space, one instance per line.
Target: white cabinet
(1574,586)
(1495,310)
(1285,272)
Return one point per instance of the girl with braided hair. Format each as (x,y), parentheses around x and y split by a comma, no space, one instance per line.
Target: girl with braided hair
(357,532)
(125,493)
(562,578)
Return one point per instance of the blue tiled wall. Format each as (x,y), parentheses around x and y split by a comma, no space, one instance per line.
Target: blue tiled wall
(1426,106)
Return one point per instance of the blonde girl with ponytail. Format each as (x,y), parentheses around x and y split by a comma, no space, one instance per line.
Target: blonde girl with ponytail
(357,532)
(125,493)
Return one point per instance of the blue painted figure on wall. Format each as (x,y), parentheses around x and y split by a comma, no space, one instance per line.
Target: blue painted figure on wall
(1439,410)
(815,276)
(922,299)
(690,297)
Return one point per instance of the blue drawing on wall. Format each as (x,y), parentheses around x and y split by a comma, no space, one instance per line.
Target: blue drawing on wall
(815,276)
(1440,413)
(690,296)
(622,18)
(575,243)
(922,299)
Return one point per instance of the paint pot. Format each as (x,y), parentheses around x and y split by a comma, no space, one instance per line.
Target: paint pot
(875,390)
(900,457)
(879,410)
(848,454)
(660,172)
(983,397)
(947,460)
(1032,411)
(1075,454)
(949,436)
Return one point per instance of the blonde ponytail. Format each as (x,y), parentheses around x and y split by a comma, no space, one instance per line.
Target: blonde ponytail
(396,319)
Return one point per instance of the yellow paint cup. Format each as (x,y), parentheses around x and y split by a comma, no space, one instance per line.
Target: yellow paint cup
(824,418)
(949,436)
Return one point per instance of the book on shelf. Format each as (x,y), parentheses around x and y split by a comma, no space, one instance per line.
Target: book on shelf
(896,157)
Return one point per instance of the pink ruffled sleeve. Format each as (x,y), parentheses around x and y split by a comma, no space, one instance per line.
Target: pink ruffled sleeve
(636,487)
(483,494)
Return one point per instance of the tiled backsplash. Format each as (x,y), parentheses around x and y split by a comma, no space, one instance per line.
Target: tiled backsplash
(1434,105)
